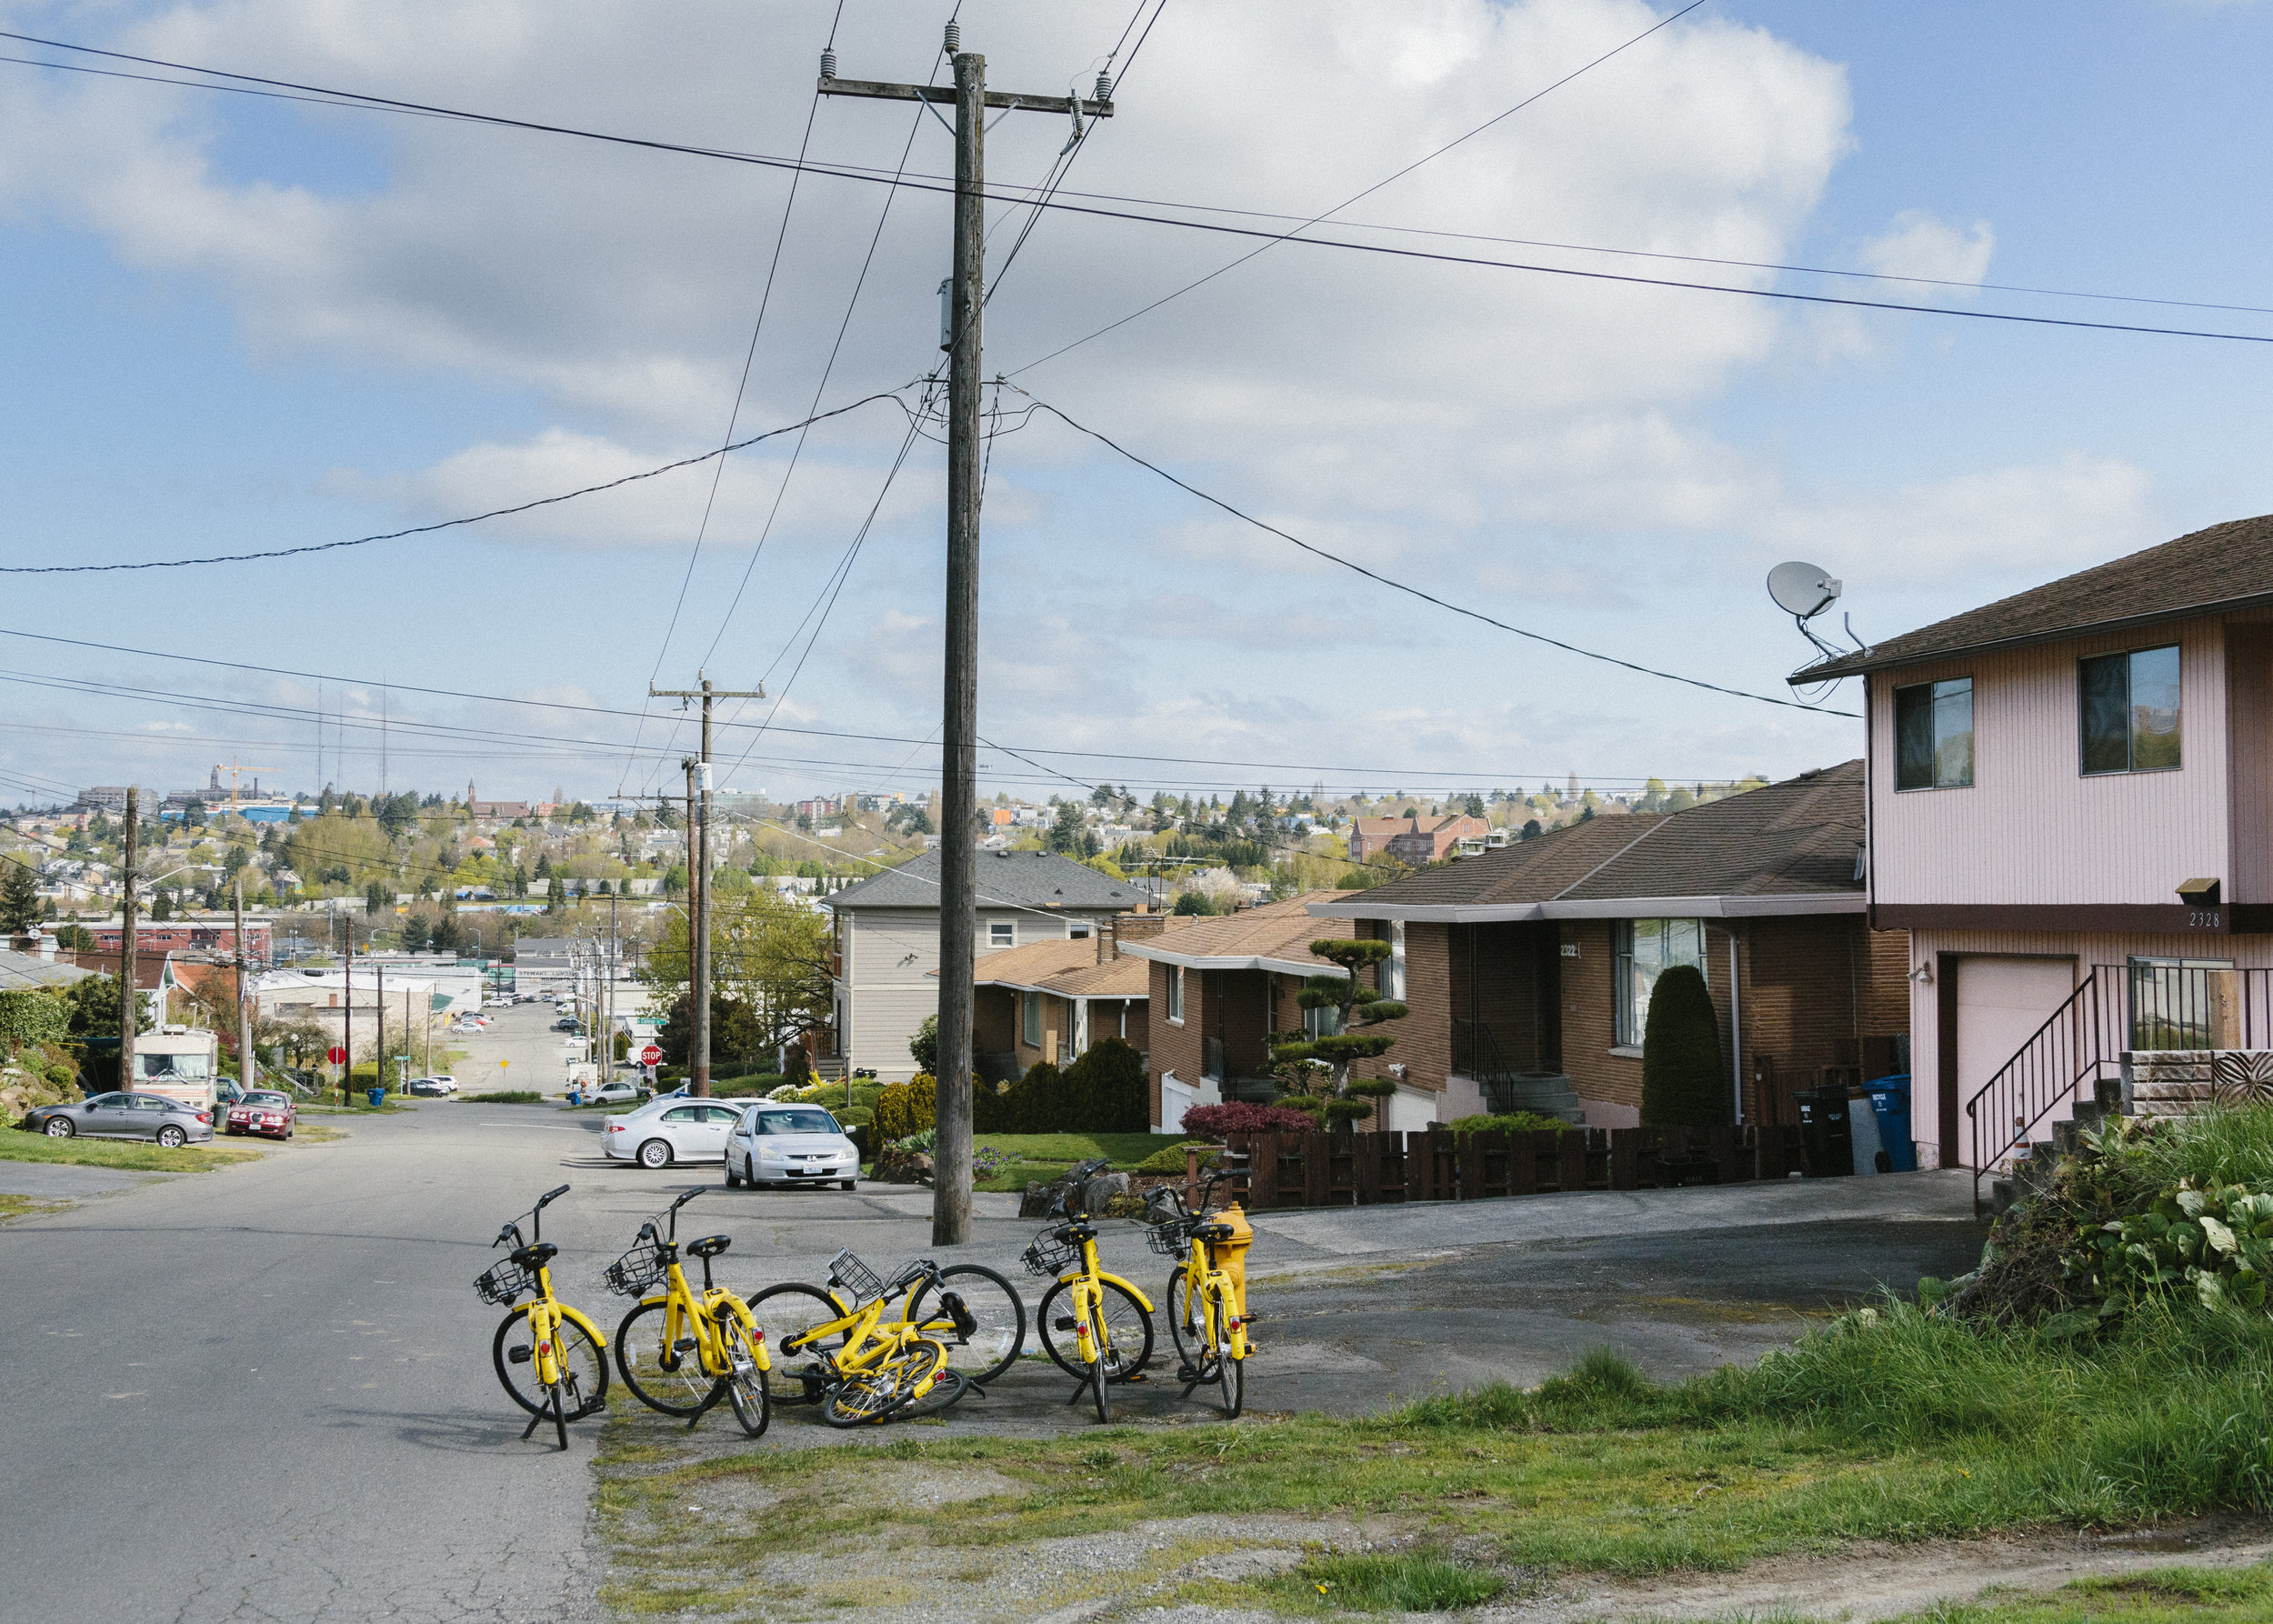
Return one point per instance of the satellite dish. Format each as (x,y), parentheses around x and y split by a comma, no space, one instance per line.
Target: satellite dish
(1802,589)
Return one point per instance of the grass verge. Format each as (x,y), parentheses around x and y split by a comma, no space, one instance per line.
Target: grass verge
(124,1153)
(16,1206)
(2156,1596)
(1043,1155)
(504,1097)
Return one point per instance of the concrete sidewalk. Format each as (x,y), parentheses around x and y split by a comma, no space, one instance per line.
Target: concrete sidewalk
(1437,1226)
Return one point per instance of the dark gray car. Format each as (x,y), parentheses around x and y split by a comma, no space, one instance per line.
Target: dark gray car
(123,1116)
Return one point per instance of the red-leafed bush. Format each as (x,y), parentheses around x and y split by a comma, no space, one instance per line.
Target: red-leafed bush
(1214,1121)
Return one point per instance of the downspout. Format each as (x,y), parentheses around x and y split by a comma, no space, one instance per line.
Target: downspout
(1735,1023)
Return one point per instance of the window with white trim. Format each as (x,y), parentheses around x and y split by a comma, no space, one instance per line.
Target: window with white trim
(1643,950)
(1001,933)
(1393,967)
(1176,993)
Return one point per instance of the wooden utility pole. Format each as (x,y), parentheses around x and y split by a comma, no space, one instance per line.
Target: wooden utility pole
(129,1013)
(698,890)
(245,1075)
(958,840)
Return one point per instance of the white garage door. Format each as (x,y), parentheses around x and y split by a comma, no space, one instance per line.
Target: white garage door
(2001,1003)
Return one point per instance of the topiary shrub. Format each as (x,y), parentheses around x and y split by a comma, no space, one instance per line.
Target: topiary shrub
(1216,1121)
(1106,1091)
(1682,1082)
(1037,1101)
(1169,1159)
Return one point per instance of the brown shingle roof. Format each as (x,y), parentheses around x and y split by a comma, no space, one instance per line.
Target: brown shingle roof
(1277,934)
(1787,847)
(1068,968)
(2225,566)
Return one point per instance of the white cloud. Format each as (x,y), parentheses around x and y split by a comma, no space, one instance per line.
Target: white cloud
(1918,244)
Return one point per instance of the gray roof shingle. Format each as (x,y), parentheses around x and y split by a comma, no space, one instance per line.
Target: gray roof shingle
(1005,879)
(2225,566)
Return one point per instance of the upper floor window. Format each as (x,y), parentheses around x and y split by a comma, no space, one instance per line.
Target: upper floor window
(1001,933)
(1642,950)
(1078,930)
(1933,735)
(1176,993)
(1393,967)
(2129,711)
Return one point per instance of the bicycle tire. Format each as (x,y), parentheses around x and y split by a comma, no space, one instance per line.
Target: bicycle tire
(560,1415)
(995,1304)
(873,1397)
(745,1388)
(1185,1326)
(1125,1318)
(1231,1374)
(1099,1376)
(778,1314)
(946,1394)
(583,1360)
(673,1384)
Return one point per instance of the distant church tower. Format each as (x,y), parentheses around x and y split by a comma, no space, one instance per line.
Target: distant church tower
(469,793)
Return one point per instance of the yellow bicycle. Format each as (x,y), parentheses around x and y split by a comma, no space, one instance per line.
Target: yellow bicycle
(680,1353)
(550,1358)
(1208,1311)
(958,1329)
(1109,1319)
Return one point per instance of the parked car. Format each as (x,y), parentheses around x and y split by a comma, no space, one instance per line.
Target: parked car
(616,1088)
(790,1144)
(668,1131)
(449,1083)
(125,1115)
(426,1087)
(264,1111)
(565,1024)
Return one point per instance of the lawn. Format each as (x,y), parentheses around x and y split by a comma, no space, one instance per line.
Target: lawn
(1043,1155)
(127,1154)
(2156,1596)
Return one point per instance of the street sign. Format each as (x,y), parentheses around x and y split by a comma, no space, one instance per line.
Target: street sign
(651,1056)
(336,1054)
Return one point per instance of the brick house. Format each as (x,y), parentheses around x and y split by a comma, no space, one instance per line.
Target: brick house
(1220,987)
(1051,1000)
(2071,814)
(1527,969)
(1416,840)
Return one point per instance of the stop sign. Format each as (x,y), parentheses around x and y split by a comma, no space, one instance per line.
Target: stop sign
(336,1054)
(651,1056)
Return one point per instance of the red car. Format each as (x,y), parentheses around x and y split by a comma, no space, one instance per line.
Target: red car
(262,1111)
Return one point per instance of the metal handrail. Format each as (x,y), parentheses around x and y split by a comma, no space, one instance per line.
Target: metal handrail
(2045,1071)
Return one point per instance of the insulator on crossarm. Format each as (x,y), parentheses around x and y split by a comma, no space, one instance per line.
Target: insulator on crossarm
(953,38)
(1105,87)
(828,64)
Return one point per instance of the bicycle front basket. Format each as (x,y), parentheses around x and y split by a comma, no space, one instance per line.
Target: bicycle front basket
(635,1273)
(856,1276)
(1051,1253)
(504,1283)
(1171,1240)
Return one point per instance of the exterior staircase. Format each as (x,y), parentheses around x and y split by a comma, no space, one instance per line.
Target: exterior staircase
(1549,1093)
(2028,1168)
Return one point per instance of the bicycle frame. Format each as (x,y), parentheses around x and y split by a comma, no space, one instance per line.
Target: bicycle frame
(868,1343)
(684,1309)
(1086,1286)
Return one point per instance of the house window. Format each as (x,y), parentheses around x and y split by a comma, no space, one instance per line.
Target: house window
(1393,967)
(1933,735)
(1643,950)
(2129,711)
(1030,1019)
(2182,1003)
(1001,933)
(1176,993)
(1078,930)
(1321,1023)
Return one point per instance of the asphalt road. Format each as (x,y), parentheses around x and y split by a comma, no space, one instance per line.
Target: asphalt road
(264,1392)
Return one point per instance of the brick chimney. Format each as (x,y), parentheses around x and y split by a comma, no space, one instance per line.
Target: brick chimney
(1136,928)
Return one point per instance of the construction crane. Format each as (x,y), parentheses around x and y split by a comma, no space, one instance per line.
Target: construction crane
(235,767)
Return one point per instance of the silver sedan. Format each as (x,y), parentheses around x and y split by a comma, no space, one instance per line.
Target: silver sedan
(123,1116)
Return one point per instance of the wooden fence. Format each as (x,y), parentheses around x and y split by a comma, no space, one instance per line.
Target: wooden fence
(1365,1169)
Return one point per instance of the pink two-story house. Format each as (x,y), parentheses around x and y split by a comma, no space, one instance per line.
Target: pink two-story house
(2071,810)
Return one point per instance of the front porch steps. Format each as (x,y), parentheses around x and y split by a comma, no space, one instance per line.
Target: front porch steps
(2030,1168)
(1548,1093)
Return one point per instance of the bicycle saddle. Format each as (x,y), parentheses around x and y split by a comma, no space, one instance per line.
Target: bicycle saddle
(537,1256)
(1079,1228)
(1213,1232)
(709,1246)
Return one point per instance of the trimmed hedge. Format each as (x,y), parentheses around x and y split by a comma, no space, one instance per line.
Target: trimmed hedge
(1241,1117)
(1682,1082)
(1512,1122)
(903,1109)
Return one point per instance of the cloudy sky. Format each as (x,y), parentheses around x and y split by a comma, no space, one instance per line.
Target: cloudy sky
(239,323)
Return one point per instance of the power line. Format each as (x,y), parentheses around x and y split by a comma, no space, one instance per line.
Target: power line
(1398,585)
(495,513)
(860,173)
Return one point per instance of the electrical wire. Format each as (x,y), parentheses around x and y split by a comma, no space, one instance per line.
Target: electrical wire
(1397,586)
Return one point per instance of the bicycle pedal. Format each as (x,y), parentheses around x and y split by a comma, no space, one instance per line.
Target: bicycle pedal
(519,1355)
(1066,1324)
(1186,1374)
(684,1345)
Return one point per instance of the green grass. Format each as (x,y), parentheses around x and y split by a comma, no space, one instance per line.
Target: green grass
(127,1154)
(1043,1155)
(16,1206)
(504,1097)
(1420,1581)
(2153,1596)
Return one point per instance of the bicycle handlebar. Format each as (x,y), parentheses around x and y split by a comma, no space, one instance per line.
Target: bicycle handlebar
(549,1196)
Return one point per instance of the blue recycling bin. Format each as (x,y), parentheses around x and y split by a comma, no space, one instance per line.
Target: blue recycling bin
(377,1096)
(1891,1105)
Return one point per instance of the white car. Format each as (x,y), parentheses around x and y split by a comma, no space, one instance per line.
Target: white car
(630,1093)
(790,1144)
(447,1084)
(670,1129)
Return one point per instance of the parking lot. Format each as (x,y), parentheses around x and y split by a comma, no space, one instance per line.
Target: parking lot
(278,1375)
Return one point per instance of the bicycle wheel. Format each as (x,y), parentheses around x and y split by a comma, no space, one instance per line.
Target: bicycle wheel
(1186,1328)
(1231,1376)
(785,1313)
(557,1397)
(944,1395)
(873,1395)
(746,1388)
(1128,1327)
(584,1365)
(659,1376)
(999,1334)
(1100,1371)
